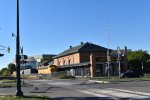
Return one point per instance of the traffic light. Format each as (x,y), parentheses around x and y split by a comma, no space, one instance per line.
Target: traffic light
(1,55)
(8,50)
(25,56)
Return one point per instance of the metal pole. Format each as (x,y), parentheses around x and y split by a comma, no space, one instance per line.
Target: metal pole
(18,91)
(119,69)
(108,67)
(142,67)
(108,57)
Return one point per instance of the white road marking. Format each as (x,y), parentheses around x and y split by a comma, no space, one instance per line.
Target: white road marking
(95,94)
(60,83)
(129,91)
(112,92)
(108,92)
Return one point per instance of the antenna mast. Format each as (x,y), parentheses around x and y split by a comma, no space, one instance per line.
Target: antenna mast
(108,42)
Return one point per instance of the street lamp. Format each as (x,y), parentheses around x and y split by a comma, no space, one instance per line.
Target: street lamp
(119,69)
(18,91)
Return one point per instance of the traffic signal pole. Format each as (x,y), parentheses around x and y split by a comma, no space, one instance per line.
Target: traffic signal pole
(18,91)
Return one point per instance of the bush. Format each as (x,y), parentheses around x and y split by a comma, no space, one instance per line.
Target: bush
(67,77)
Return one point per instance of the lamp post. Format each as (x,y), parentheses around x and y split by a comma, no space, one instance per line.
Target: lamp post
(18,91)
(119,69)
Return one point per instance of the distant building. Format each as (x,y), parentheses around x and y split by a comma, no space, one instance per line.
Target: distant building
(33,62)
(88,59)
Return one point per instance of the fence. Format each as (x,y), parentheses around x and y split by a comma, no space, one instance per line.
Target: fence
(54,75)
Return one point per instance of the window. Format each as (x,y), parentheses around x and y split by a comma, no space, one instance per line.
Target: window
(59,62)
(64,63)
(69,62)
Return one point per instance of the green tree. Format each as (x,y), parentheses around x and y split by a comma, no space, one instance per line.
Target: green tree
(135,58)
(4,72)
(46,59)
(11,68)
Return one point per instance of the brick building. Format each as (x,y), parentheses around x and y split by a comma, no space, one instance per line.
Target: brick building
(87,59)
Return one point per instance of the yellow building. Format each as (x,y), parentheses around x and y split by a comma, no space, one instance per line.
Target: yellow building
(47,69)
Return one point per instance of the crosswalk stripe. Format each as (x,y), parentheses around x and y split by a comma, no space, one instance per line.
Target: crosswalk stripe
(129,91)
(95,94)
(118,94)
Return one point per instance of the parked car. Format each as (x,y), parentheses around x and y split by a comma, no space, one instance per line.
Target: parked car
(132,73)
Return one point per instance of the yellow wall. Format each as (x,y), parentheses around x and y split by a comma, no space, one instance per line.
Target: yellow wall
(48,70)
(14,74)
(44,71)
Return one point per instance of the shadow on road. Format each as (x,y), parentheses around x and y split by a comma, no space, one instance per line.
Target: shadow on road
(94,98)
(82,98)
(37,90)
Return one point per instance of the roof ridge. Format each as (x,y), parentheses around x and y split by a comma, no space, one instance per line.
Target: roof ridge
(83,47)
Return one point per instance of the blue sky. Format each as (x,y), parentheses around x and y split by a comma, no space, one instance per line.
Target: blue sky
(51,26)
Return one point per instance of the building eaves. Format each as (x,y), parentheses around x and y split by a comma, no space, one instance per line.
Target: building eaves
(72,50)
(78,65)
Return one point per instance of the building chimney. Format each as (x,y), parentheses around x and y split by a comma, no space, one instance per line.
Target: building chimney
(81,43)
(125,49)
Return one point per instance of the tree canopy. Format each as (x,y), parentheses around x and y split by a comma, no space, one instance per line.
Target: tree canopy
(46,59)
(11,68)
(136,58)
(8,70)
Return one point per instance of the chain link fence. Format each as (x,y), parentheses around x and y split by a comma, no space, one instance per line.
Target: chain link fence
(54,75)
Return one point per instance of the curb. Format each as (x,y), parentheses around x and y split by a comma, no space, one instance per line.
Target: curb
(98,81)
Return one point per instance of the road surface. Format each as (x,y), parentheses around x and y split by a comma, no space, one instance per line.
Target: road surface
(79,89)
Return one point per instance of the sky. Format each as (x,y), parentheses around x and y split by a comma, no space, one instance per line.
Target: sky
(51,26)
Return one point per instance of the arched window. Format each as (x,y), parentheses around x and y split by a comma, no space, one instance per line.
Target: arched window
(64,63)
(69,62)
(59,62)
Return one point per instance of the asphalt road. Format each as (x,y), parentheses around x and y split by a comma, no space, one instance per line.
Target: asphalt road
(79,89)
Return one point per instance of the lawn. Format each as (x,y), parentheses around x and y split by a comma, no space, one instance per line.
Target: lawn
(6,83)
(9,97)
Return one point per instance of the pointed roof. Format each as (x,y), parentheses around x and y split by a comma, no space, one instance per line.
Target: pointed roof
(83,47)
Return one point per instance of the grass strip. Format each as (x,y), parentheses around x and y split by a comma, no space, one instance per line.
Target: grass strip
(32,97)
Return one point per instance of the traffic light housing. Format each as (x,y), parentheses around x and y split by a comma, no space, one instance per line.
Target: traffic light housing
(1,55)
(25,57)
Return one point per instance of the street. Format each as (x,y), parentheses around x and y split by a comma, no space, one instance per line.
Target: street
(79,89)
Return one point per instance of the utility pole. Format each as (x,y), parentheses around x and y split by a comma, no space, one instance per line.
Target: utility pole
(18,91)
(119,69)
(108,56)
